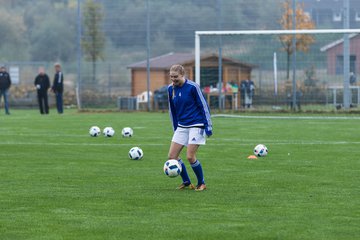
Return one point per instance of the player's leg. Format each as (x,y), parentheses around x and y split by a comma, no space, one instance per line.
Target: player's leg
(196,165)
(196,138)
(57,102)
(178,142)
(40,103)
(1,94)
(61,104)
(174,151)
(46,103)
(191,153)
(6,102)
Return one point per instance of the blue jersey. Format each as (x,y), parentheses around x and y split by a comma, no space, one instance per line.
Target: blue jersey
(187,106)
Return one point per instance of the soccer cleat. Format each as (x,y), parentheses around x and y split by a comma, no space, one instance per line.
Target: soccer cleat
(200,187)
(185,186)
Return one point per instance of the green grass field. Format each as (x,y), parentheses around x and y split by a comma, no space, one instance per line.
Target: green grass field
(56,182)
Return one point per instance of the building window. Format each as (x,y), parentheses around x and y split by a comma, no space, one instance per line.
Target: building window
(209,76)
(337,16)
(357,16)
(340,64)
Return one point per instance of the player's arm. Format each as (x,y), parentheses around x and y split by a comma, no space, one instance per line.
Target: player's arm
(9,80)
(47,80)
(55,83)
(172,110)
(202,104)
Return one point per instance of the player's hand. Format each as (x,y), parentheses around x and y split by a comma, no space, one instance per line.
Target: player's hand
(208,132)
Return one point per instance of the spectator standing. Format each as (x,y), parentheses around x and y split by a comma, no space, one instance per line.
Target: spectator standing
(5,83)
(352,78)
(249,93)
(58,87)
(42,84)
(243,85)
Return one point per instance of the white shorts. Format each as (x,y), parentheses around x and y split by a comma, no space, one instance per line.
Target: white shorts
(185,136)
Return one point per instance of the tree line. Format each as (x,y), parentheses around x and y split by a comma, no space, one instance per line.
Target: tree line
(47,30)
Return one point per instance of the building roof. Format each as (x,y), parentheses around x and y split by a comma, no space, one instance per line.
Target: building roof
(329,4)
(167,60)
(164,61)
(337,42)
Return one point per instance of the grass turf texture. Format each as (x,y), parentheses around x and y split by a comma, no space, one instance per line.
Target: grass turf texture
(57,182)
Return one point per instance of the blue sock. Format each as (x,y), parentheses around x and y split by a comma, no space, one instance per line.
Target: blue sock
(184,175)
(196,166)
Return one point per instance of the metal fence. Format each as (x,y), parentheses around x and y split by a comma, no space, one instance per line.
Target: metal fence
(126,42)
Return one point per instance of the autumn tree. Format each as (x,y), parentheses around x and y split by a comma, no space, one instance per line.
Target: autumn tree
(303,21)
(93,41)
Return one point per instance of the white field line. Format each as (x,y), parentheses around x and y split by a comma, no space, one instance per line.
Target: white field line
(82,144)
(216,142)
(9,133)
(287,117)
(267,143)
(301,143)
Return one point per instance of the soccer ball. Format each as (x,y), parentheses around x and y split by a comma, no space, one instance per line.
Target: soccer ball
(260,150)
(136,153)
(94,131)
(172,168)
(108,132)
(127,132)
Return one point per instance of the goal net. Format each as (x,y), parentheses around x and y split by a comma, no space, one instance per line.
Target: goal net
(316,75)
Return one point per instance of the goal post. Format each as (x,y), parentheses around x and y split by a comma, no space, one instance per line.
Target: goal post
(326,39)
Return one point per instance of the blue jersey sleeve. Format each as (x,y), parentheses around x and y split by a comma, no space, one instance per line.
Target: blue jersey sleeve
(172,110)
(202,104)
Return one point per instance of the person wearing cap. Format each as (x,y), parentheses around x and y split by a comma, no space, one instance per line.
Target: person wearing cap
(5,83)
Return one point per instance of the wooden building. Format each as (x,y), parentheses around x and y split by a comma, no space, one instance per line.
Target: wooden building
(331,12)
(335,55)
(233,71)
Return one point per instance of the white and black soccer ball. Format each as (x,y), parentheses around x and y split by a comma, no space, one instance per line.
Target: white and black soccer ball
(136,153)
(94,131)
(172,168)
(127,132)
(260,150)
(108,132)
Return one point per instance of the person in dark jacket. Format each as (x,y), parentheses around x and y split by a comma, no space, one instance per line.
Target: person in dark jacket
(58,87)
(5,83)
(42,84)
(243,86)
(249,94)
(247,90)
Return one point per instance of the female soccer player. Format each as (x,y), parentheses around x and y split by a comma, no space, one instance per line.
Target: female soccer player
(191,121)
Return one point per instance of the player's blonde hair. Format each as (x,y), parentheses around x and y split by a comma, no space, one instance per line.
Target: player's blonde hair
(178,68)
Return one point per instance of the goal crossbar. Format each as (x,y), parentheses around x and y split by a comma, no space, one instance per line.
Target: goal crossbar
(257,32)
